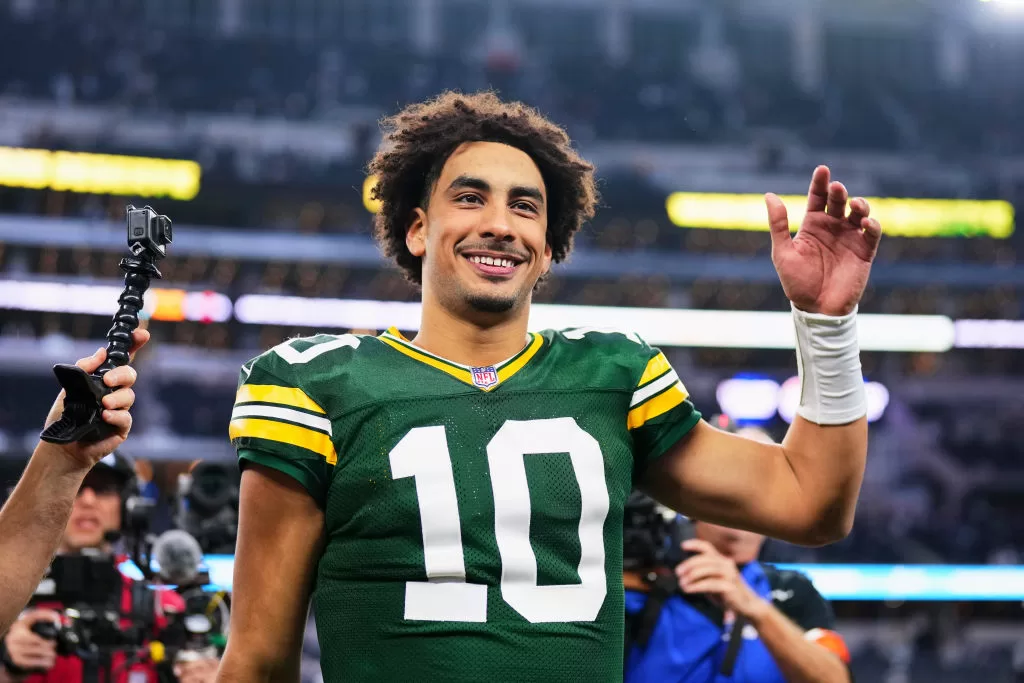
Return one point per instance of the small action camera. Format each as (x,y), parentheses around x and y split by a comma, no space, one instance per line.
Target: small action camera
(148,232)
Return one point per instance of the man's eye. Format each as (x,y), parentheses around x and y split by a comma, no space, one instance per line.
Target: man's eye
(468,198)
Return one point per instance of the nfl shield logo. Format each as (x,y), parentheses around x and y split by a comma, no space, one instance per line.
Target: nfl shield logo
(485,378)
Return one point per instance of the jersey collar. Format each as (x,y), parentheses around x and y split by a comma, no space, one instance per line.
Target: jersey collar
(485,378)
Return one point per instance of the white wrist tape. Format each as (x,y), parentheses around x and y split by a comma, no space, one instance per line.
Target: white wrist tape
(828,361)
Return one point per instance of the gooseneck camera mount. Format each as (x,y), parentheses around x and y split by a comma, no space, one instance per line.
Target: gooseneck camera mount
(149,233)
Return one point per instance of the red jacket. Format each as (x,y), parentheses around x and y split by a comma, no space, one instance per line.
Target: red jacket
(69,669)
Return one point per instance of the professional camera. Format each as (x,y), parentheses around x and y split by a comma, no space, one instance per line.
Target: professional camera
(200,629)
(208,505)
(89,586)
(651,535)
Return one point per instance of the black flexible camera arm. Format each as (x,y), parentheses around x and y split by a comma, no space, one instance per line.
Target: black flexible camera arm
(148,235)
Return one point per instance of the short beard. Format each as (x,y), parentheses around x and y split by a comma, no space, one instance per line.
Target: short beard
(491,304)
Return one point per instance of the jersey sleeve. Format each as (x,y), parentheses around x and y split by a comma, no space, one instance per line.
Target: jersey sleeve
(277,424)
(660,411)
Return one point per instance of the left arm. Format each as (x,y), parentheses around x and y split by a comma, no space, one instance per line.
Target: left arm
(800,660)
(805,489)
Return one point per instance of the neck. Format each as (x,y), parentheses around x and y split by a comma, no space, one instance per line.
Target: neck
(470,342)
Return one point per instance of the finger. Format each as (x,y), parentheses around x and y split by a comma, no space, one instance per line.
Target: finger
(715,586)
(33,652)
(91,363)
(32,662)
(120,420)
(778,224)
(837,198)
(122,399)
(699,566)
(702,572)
(123,376)
(140,337)
(859,210)
(817,195)
(696,545)
(872,234)
(36,615)
(38,644)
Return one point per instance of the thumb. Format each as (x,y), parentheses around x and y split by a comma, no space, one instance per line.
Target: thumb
(778,222)
(93,362)
(37,615)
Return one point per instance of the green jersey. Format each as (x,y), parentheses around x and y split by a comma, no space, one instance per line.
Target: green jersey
(473,515)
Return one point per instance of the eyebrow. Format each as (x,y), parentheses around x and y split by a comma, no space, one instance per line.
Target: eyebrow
(471,182)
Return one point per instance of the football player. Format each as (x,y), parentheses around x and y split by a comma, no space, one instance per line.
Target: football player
(453,501)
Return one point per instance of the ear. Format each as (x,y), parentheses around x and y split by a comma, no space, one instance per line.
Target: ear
(546,260)
(416,235)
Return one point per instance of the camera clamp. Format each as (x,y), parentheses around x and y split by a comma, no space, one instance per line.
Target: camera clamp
(149,233)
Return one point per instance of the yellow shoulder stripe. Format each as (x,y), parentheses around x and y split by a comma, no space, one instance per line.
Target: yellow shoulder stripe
(656,367)
(293,435)
(285,396)
(660,404)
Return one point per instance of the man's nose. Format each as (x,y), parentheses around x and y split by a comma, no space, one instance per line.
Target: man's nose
(496,226)
(87,495)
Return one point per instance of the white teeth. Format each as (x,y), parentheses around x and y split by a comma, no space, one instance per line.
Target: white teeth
(491,261)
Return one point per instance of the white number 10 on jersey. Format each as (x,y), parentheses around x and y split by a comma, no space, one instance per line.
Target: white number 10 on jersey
(446,596)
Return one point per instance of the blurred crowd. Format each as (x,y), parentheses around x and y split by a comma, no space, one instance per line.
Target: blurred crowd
(703,73)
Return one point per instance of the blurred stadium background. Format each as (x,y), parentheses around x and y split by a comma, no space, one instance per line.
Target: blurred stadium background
(249,123)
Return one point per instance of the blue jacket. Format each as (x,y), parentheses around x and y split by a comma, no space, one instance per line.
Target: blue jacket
(689,639)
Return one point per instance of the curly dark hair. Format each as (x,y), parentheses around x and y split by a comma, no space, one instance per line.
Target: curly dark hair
(419,139)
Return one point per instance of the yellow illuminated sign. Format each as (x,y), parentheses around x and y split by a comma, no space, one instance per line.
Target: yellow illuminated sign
(99,173)
(372,205)
(899,217)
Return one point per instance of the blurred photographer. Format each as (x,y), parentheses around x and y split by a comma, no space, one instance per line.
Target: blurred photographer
(30,650)
(700,608)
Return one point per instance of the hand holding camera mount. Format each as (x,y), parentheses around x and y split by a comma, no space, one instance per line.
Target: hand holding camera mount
(82,419)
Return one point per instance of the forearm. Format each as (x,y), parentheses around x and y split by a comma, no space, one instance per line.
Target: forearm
(828,463)
(800,660)
(826,446)
(238,667)
(31,525)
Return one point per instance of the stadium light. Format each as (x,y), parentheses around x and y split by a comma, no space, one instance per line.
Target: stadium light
(760,399)
(748,398)
(657,326)
(160,303)
(990,334)
(99,173)
(899,217)
(865,582)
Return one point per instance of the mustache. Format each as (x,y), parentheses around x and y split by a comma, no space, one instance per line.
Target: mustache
(497,248)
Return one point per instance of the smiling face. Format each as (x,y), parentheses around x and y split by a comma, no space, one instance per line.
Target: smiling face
(483,234)
(97,509)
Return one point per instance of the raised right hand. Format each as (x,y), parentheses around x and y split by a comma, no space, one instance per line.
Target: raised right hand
(28,650)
